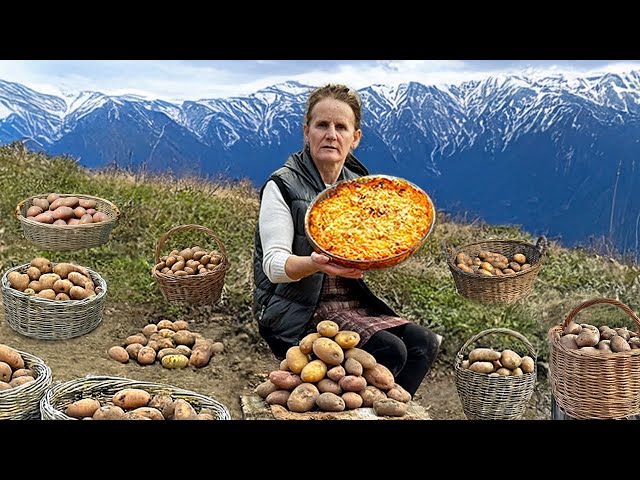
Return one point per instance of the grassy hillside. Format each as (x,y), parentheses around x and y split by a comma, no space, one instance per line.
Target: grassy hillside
(422,288)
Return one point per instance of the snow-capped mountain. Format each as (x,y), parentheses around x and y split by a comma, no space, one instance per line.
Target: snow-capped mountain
(555,155)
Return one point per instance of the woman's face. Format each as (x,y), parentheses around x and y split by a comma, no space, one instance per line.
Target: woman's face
(331,134)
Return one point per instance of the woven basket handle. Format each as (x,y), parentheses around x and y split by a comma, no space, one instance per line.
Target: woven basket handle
(610,301)
(181,228)
(490,331)
(542,244)
(448,251)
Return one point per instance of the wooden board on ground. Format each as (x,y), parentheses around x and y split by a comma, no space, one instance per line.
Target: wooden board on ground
(255,408)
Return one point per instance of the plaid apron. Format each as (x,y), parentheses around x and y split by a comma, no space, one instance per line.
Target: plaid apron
(339,304)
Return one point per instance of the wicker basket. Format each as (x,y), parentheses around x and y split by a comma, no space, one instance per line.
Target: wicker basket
(201,289)
(61,394)
(23,402)
(68,237)
(485,397)
(594,386)
(45,319)
(504,289)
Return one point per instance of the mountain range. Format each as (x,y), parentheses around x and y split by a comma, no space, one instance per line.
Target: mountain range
(555,155)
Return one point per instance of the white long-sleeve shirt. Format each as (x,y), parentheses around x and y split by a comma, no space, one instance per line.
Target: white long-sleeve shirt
(276,233)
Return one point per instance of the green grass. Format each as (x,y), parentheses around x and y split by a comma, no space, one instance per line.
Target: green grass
(422,288)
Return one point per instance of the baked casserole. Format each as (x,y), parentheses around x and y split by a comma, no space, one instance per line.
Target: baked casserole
(370,222)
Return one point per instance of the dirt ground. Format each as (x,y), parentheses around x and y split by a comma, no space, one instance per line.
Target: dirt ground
(244,363)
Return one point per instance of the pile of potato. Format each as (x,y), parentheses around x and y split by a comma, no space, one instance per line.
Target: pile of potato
(62,281)
(57,210)
(496,362)
(326,372)
(190,261)
(598,340)
(491,264)
(136,404)
(172,344)
(12,369)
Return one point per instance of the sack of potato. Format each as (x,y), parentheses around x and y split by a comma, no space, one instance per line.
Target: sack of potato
(326,372)
(51,301)
(495,382)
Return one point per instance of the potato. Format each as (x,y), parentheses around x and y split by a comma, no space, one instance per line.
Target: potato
(481,367)
(174,361)
(607,333)
(619,344)
(119,354)
(100,217)
(520,258)
(80,280)
(186,351)
(84,407)
(32,272)
(19,281)
(328,351)
(5,372)
(133,349)
(200,354)
(347,339)
(569,341)
(379,376)
(180,325)
(353,367)
(527,365)
(11,357)
(62,286)
(328,385)
(265,388)
(285,380)
(303,398)
(505,372)
(17,381)
(184,337)
(183,410)
(137,338)
(150,412)
(146,356)
(330,402)
(588,337)
(389,407)
(352,383)
(284,365)
(327,328)
(352,400)
(510,359)
(370,394)
(398,393)
(45,217)
(314,371)
(63,213)
(336,373)
(483,355)
(41,202)
(149,329)
(296,360)
(109,412)
(306,344)
(365,358)
(47,293)
(130,398)
(4,386)
(278,397)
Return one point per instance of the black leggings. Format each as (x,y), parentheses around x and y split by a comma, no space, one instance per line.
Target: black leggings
(408,351)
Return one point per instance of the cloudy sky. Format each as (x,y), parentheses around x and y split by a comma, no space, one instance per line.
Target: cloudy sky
(178,80)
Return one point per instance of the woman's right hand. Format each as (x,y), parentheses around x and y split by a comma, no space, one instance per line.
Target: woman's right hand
(324,265)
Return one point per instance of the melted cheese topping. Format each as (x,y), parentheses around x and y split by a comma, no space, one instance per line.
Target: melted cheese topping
(370,219)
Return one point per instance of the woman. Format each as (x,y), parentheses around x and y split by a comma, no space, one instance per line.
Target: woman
(295,287)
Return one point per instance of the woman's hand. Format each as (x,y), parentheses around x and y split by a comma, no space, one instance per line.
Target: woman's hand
(323,264)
